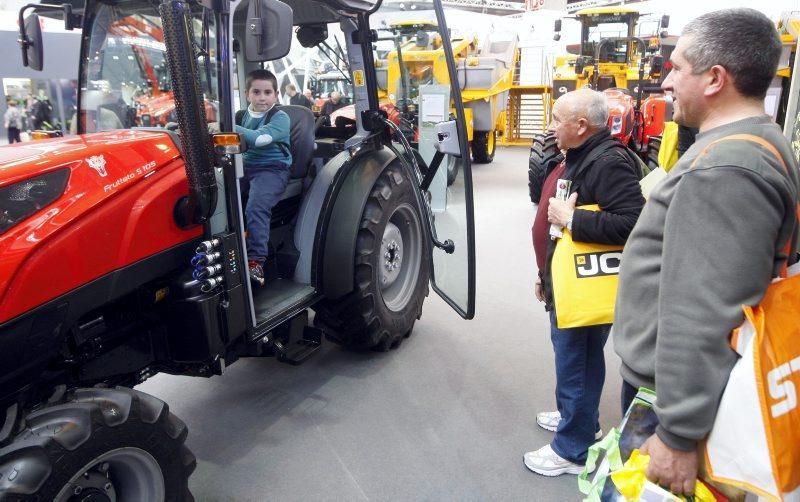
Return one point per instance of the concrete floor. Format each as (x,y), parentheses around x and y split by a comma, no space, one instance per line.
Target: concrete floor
(447,416)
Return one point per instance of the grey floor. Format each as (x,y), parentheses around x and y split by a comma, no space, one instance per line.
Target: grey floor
(447,416)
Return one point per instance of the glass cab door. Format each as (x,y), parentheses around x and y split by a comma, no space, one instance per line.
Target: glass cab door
(416,60)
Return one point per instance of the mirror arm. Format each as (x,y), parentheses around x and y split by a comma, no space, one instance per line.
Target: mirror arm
(432,169)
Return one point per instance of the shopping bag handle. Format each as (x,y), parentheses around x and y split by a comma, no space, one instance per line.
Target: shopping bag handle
(609,445)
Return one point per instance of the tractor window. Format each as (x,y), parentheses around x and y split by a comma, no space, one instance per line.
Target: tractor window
(125,81)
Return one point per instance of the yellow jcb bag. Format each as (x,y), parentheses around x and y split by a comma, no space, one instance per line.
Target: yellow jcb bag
(585,278)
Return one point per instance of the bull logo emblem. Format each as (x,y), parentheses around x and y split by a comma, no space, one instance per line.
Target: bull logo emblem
(98,163)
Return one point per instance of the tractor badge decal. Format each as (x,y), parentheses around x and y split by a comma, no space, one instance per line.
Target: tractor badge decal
(98,163)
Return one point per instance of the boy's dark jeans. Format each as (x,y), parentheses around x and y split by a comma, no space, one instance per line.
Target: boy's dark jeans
(264,185)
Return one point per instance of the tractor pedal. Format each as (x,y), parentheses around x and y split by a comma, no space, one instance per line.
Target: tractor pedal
(296,352)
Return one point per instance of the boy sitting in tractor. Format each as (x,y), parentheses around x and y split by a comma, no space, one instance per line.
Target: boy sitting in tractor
(267,164)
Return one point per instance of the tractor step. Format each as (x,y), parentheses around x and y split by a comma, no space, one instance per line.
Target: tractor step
(295,352)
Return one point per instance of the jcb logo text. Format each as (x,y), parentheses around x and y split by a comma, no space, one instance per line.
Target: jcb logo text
(597,264)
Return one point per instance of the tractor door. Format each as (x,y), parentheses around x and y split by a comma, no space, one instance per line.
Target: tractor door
(419,88)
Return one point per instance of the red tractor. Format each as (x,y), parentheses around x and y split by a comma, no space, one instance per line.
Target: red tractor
(124,252)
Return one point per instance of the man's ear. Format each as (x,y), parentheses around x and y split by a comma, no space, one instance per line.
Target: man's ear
(717,78)
(583,126)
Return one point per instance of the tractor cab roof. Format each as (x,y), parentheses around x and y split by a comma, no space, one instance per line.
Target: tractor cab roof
(304,11)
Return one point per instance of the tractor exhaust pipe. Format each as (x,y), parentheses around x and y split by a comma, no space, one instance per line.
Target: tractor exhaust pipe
(182,64)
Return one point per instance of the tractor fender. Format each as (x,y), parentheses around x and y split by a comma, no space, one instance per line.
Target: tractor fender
(329,220)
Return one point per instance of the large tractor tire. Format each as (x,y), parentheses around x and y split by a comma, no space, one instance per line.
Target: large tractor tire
(99,444)
(392,269)
(545,156)
(653,147)
(484,144)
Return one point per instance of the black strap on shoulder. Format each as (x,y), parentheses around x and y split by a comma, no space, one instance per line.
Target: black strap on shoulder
(637,163)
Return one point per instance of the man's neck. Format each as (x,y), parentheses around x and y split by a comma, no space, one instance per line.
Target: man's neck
(725,114)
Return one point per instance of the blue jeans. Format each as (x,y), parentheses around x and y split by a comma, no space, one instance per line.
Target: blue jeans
(580,373)
(264,186)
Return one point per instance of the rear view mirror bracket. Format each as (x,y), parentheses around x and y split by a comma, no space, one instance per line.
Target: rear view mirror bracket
(30,32)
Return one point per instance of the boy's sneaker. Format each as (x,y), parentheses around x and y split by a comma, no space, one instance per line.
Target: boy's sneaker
(546,462)
(256,272)
(548,420)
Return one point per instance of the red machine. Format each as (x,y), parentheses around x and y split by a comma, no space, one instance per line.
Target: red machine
(634,127)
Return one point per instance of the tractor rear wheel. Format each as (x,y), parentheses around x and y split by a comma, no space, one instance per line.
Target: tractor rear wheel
(484,144)
(653,147)
(99,444)
(544,157)
(392,269)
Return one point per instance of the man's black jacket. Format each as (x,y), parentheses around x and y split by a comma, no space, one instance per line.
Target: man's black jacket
(604,174)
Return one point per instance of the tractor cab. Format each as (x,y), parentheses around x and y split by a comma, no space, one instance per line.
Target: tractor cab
(611,52)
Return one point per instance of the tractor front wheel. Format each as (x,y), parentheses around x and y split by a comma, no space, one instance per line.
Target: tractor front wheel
(483,145)
(392,269)
(99,444)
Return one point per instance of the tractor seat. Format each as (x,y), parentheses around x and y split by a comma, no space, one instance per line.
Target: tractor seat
(301,133)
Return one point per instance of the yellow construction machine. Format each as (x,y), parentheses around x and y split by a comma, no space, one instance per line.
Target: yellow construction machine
(416,58)
(611,53)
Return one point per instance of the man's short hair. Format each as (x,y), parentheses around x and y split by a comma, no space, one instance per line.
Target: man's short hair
(589,104)
(260,75)
(597,109)
(291,87)
(743,41)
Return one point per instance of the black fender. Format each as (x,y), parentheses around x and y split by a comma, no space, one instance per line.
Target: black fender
(340,225)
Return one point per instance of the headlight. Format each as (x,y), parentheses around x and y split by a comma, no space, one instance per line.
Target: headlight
(22,199)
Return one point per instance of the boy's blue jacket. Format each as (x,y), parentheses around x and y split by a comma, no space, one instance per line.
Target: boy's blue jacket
(277,127)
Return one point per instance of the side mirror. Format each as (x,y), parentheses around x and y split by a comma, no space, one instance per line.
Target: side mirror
(30,39)
(557,37)
(311,35)
(665,22)
(557,26)
(656,66)
(268,30)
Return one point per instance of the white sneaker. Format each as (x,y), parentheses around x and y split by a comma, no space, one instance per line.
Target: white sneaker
(546,462)
(548,420)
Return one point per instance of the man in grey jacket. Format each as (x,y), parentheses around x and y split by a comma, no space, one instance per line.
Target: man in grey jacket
(709,239)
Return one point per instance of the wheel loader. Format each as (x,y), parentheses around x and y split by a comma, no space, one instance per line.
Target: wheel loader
(124,252)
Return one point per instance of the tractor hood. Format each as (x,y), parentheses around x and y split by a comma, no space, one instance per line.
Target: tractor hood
(110,205)
(107,158)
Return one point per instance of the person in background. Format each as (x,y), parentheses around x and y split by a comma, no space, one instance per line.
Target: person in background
(296,98)
(602,173)
(333,103)
(710,238)
(267,164)
(12,121)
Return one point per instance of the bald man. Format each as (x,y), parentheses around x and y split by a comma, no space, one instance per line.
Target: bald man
(334,103)
(602,172)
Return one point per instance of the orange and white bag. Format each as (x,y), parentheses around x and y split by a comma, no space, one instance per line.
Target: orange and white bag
(755,441)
